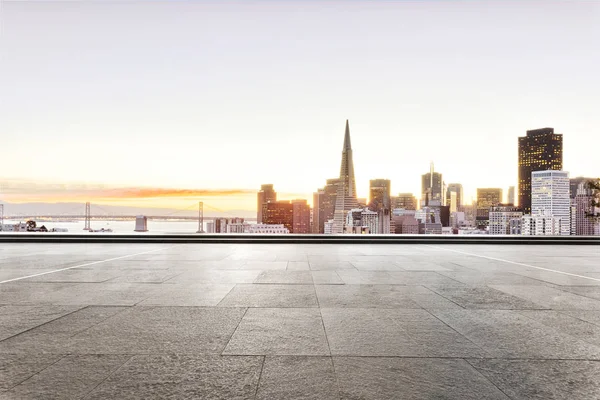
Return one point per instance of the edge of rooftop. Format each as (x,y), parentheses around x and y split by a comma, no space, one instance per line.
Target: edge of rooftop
(295,239)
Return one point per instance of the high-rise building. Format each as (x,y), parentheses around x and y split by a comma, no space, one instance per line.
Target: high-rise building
(539,150)
(266,194)
(324,205)
(361,220)
(301,218)
(505,219)
(511,196)
(486,198)
(380,202)
(574,184)
(346,190)
(432,192)
(550,197)
(279,213)
(456,188)
(405,200)
(540,225)
(584,225)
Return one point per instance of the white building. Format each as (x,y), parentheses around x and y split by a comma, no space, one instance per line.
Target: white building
(550,197)
(582,224)
(541,225)
(505,220)
(210,227)
(328,227)
(141,223)
(276,229)
(362,220)
(238,227)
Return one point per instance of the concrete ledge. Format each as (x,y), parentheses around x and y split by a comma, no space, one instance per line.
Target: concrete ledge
(295,239)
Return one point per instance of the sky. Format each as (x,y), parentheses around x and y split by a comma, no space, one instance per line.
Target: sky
(168,103)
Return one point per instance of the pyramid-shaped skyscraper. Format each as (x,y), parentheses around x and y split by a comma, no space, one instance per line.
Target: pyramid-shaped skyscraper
(346,193)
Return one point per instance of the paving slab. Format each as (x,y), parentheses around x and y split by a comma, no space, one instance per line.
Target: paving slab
(298,377)
(412,378)
(290,331)
(543,379)
(182,377)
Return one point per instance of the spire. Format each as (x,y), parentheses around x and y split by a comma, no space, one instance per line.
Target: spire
(347,144)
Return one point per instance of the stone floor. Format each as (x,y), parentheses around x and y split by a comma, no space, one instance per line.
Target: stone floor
(252,321)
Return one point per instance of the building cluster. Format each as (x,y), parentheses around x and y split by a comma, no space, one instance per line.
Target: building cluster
(549,202)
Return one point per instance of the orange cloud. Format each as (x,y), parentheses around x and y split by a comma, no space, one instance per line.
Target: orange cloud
(16,190)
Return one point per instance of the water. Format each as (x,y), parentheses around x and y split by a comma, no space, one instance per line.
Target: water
(127,227)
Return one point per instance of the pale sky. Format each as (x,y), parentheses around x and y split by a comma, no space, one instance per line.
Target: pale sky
(199,95)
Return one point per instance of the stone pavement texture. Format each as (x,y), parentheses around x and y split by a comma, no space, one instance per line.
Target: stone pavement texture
(299,321)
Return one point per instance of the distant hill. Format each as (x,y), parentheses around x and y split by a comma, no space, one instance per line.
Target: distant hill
(33,209)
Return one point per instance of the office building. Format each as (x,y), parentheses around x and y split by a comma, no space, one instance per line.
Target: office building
(584,224)
(346,190)
(511,196)
(486,198)
(574,184)
(267,229)
(362,221)
(505,219)
(324,205)
(432,193)
(380,202)
(279,213)
(541,225)
(266,194)
(406,201)
(301,216)
(457,189)
(539,150)
(550,197)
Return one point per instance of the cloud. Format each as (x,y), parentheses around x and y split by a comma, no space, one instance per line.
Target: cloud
(26,190)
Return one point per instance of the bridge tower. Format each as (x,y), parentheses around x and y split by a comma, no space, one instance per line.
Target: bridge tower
(87,217)
(200,217)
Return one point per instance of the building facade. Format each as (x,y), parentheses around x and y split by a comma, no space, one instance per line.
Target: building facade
(550,197)
(301,216)
(458,197)
(505,220)
(584,225)
(539,150)
(406,201)
(346,190)
(279,213)
(541,225)
(324,205)
(266,194)
(380,202)
(432,192)
(486,198)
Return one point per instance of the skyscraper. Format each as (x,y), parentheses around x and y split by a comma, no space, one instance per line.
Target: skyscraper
(540,150)
(279,213)
(301,218)
(584,225)
(324,205)
(266,194)
(380,202)
(432,188)
(550,197)
(458,189)
(405,200)
(575,182)
(511,195)
(486,198)
(346,191)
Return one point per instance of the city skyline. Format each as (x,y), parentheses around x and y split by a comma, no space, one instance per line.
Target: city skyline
(153,112)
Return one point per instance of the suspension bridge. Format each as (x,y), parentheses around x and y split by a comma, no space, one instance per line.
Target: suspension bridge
(96,212)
